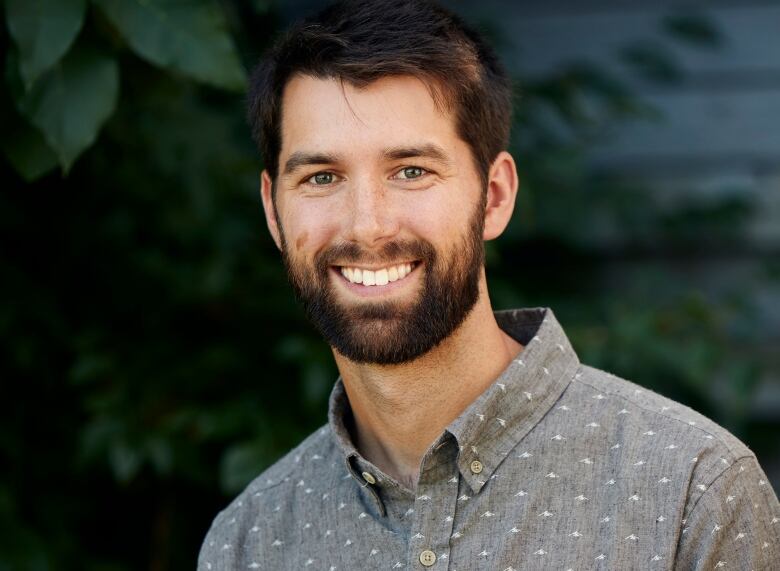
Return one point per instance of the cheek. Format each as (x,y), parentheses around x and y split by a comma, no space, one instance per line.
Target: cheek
(300,241)
(307,228)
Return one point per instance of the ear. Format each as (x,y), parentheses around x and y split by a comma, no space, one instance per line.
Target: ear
(266,192)
(501,193)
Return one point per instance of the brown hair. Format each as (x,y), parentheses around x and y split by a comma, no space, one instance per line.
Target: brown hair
(360,41)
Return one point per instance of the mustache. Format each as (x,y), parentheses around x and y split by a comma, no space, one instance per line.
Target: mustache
(348,252)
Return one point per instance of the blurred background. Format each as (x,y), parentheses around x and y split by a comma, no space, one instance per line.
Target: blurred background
(152,357)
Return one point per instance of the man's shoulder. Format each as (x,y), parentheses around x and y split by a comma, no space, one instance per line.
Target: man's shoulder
(661,415)
(274,489)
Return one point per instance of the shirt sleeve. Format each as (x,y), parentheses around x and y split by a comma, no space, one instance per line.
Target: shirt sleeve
(734,524)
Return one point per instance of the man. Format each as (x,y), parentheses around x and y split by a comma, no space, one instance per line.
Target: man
(457,438)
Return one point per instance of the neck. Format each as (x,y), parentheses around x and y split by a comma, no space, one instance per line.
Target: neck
(400,410)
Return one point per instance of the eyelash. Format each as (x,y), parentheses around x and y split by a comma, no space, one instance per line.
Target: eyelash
(310,180)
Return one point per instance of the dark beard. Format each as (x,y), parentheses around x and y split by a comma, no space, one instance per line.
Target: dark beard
(390,332)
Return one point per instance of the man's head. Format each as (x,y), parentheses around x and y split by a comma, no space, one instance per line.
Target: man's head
(360,41)
(374,169)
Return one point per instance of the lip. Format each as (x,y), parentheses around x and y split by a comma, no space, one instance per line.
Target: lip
(375,290)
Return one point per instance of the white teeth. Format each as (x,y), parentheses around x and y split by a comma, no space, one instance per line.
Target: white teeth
(376,277)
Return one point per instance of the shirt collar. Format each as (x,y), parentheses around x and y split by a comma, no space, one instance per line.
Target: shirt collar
(501,416)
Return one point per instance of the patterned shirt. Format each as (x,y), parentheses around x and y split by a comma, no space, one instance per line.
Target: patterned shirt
(556,465)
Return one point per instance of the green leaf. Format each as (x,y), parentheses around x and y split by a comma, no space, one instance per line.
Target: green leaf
(24,146)
(43,30)
(71,102)
(188,37)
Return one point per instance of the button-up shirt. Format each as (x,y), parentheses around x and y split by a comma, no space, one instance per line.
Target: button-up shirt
(556,465)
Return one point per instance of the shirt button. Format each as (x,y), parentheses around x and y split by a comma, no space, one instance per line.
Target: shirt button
(368,477)
(427,558)
(476,466)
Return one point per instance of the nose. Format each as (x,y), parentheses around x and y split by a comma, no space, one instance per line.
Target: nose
(372,220)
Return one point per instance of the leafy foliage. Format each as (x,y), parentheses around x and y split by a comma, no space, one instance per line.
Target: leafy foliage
(153,359)
(43,30)
(67,92)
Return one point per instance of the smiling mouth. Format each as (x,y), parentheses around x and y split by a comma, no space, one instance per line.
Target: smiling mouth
(378,277)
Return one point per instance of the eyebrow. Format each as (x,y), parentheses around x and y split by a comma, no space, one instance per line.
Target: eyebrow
(301,158)
(429,151)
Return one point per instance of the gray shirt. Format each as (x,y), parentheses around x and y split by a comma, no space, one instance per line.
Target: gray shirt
(555,466)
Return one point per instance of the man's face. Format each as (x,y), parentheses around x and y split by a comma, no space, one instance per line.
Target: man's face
(379,214)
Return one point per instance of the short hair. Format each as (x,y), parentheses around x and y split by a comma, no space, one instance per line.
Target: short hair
(361,41)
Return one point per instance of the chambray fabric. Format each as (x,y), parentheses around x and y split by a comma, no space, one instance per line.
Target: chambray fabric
(579,470)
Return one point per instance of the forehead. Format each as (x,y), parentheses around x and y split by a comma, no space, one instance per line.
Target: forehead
(328,115)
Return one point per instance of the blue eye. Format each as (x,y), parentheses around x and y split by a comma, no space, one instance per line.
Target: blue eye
(321,178)
(410,172)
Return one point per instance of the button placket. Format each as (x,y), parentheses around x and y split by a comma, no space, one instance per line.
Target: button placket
(364,483)
(434,510)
